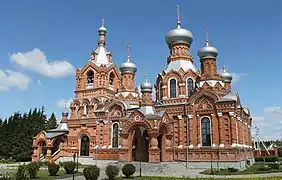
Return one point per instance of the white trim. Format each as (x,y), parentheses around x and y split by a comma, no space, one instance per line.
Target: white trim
(190,116)
(219,114)
(186,84)
(201,128)
(176,88)
(112,134)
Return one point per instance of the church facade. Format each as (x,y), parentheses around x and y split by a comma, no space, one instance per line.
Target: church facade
(195,117)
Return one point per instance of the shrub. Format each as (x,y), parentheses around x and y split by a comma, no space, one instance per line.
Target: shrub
(266,159)
(128,170)
(232,169)
(4,174)
(21,173)
(112,171)
(32,169)
(43,163)
(53,169)
(69,167)
(91,172)
(274,166)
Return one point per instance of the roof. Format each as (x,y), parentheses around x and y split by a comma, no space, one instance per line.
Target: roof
(229,97)
(101,57)
(150,111)
(177,65)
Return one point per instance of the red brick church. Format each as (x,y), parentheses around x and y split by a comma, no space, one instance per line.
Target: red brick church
(195,114)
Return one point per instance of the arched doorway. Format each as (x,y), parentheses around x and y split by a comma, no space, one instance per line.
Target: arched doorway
(84,145)
(161,143)
(140,144)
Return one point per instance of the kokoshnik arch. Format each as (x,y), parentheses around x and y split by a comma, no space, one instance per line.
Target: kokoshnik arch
(111,120)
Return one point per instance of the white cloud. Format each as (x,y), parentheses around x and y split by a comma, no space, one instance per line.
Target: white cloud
(62,103)
(36,61)
(10,79)
(269,124)
(237,77)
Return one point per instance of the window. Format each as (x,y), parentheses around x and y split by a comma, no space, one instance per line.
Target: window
(172,88)
(160,90)
(90,79)
(84,146)
(206,131)
(190,87)
(111,81)
(115,135)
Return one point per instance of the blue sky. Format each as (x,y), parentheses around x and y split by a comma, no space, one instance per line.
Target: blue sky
(246,33)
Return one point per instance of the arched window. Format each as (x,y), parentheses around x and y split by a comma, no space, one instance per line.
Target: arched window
(111,79)
(84,145)
(160,90)
(115,135)
(190,87)
(90,79)
(206,131)
(172,88)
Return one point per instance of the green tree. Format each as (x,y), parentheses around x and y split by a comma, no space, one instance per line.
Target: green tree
(52,122)
(17,132)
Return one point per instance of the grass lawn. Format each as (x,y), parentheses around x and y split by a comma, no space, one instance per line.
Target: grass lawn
(257,168)
(43,174)
(173,178)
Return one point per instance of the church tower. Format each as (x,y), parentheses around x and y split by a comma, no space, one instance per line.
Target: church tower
(97,81)
(208,55)
(177,81)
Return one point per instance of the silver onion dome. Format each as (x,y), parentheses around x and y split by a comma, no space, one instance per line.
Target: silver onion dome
(179,35)
(226,76)
(102,28)
(207,51)
(128,67)
(146,86)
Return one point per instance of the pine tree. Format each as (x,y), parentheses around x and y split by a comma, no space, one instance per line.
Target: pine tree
(52,122)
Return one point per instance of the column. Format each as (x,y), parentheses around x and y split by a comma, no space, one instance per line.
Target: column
(240,130)
(192,131)
(182,90)
(154,152)
(199,135)
(214,128)
(180,131)
(221,129)
(232,117)
(168,148)
(125,150)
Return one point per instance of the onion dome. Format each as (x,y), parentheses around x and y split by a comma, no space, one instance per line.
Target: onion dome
(207,51)
(128,66)
(226,76)
(146,86)
(102,28)
(179,35)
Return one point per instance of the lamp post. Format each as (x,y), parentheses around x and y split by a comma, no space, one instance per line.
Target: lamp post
(74,155)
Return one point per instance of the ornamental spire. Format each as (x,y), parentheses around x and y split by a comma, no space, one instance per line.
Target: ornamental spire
(128,53)
(178,16)
(207,36)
